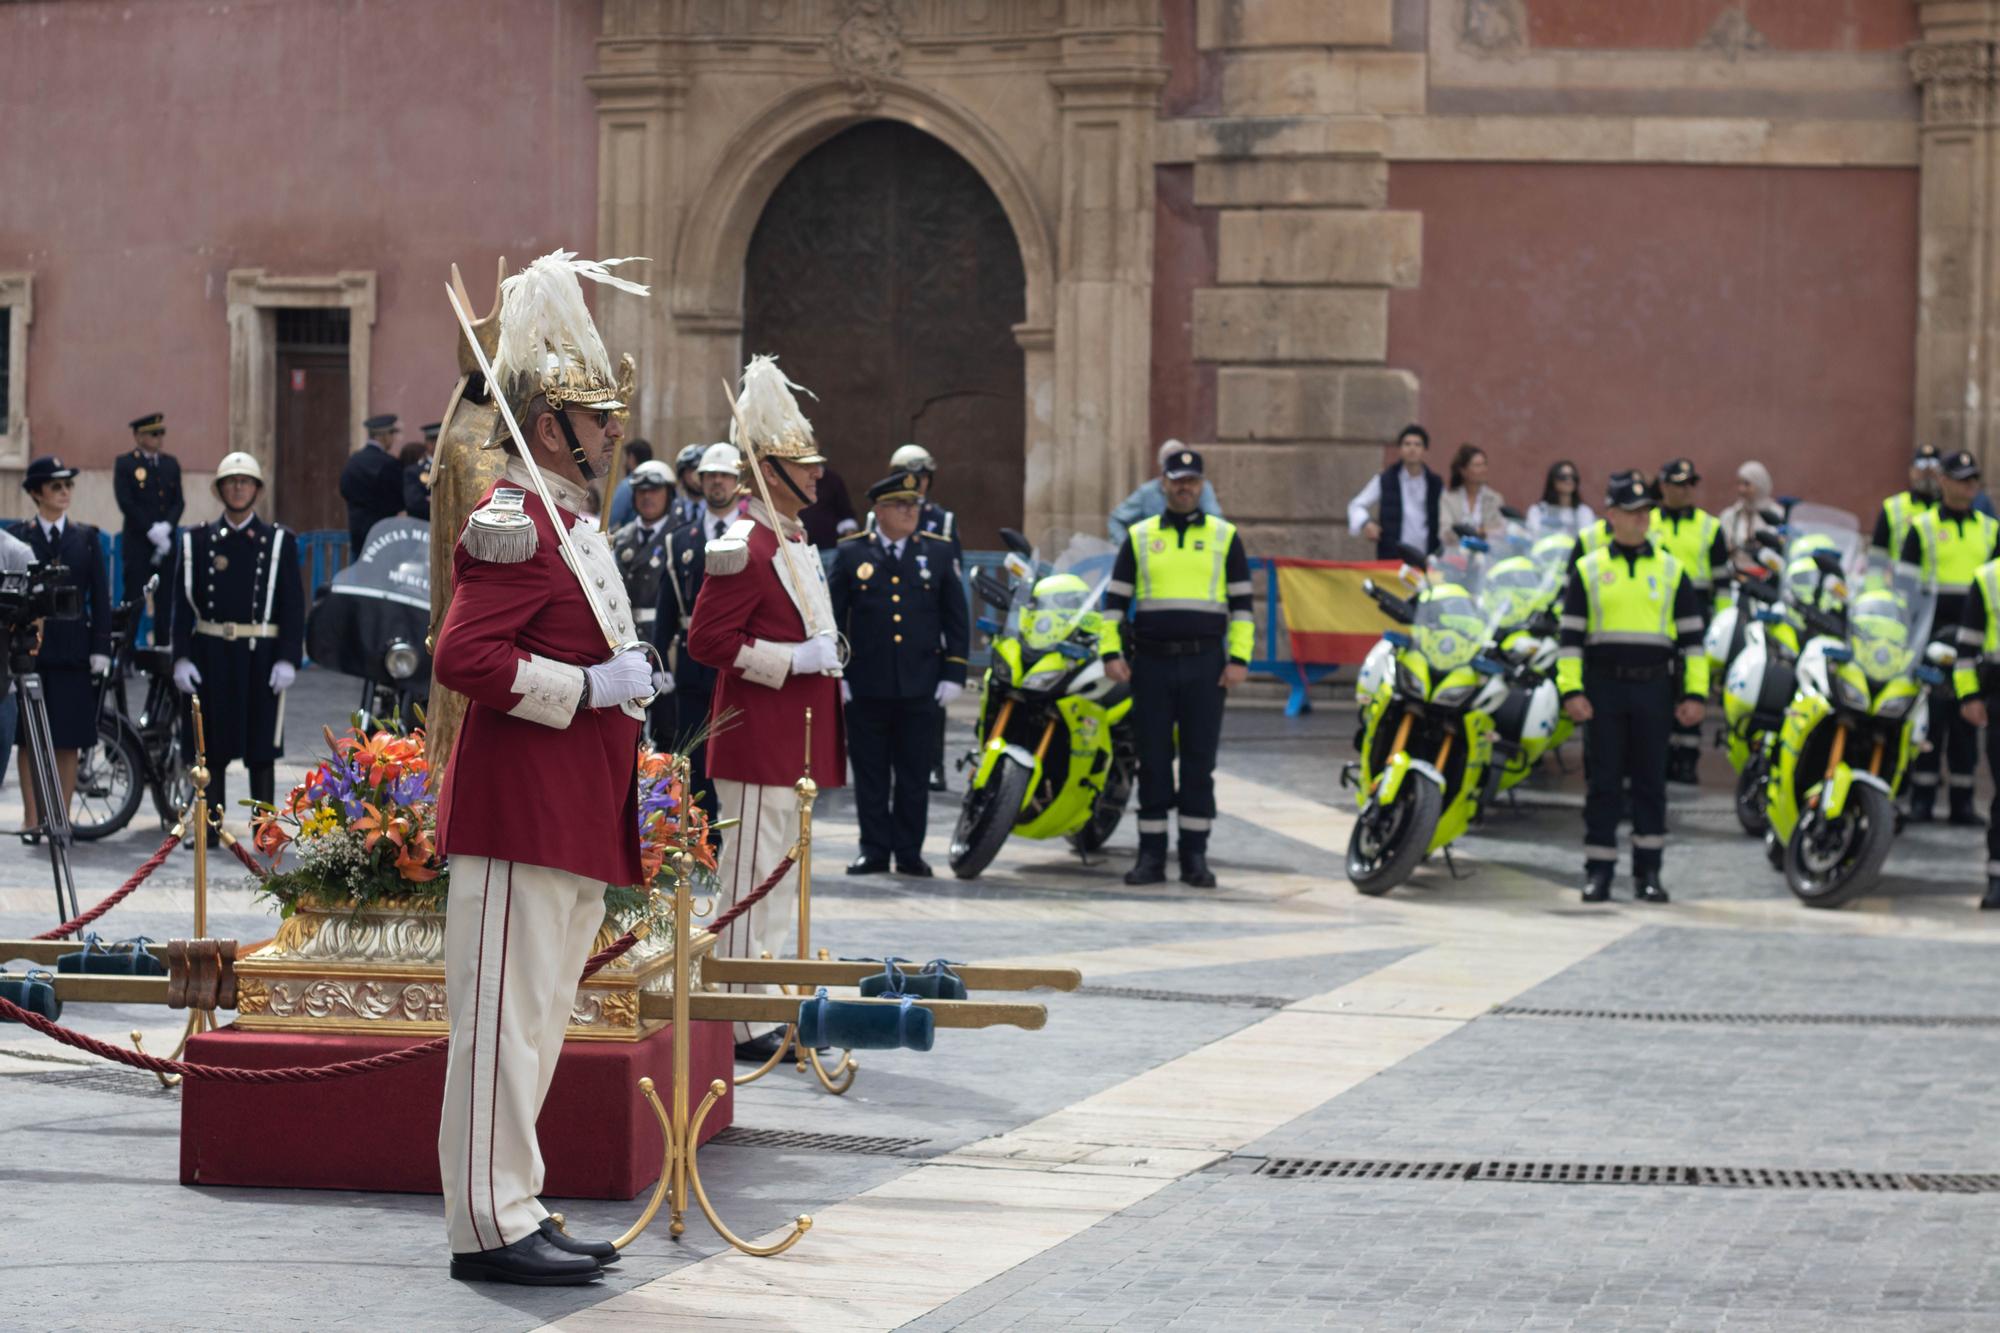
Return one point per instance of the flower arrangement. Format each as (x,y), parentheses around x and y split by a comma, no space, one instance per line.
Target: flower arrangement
(363,827)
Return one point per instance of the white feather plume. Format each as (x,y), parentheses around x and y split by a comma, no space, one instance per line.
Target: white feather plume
(545,323)
(766,408)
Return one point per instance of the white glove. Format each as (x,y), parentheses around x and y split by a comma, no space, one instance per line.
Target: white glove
(626,676)
(160,535)
(947,691)
(185,676)
(846,693)
(817,654)
(100,665)
(283,673)
(663,682)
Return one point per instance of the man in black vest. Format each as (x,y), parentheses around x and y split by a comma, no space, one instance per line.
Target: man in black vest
(1405,500)
(147,484)
(372,482)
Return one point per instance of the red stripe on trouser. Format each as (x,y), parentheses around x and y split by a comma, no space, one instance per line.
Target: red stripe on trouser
(499,1009)
(472,1058)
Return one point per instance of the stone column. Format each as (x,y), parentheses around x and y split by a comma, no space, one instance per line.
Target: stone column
(1958,314)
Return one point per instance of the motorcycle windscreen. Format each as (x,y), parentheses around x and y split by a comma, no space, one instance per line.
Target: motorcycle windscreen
(383,597)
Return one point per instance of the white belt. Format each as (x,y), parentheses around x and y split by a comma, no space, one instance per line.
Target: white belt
(646,615)
(225,629)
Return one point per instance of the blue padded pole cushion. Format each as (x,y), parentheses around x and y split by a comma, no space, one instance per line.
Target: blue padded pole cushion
(35,992)
(127,958)
(864,1027)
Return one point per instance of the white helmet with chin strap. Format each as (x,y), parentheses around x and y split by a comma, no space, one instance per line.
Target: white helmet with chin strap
(912,458)
(238,464)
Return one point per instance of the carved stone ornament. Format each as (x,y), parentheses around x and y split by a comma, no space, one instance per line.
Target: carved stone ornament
(866,46)
(1493,27)
(1957,80)
(1731,35)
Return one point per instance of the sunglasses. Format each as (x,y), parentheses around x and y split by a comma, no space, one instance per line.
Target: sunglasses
(603,419)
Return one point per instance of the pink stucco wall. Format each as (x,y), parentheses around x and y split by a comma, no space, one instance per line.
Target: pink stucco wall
(152,147)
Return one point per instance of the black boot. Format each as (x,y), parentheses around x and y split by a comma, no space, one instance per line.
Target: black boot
(1597,881)
(1923,808)
(1684,765)
(1646,884)
(531,1261)
(1194,866)
(1151,867)
(1962,813)
(1991,902)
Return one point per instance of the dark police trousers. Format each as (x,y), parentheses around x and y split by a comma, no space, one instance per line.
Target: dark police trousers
(889,745)
(1180,691)
(1625,741)
(1954,741)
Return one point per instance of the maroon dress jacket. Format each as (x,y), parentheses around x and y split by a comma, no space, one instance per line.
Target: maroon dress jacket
(534,778)
(743,624)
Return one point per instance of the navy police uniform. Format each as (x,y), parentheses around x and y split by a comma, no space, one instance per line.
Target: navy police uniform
(147,485)
(238,609)
(685,560)
(903,610)
(641,549)
(372,485)
(68,645)
(417,477)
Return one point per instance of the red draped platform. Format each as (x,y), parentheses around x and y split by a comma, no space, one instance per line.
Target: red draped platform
(378,1131)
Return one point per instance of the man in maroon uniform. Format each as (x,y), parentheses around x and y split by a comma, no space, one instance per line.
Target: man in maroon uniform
(527,648)
(764,621)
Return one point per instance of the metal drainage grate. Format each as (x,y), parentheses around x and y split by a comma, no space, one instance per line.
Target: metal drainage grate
(1602,1173)
(1809,1020)
(1185,996)
(737,1136)
(114,1081)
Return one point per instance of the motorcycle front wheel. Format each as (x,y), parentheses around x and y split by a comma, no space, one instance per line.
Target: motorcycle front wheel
(110,780)
(1751,812)
(1831,863)
(987,817)
(1389,842)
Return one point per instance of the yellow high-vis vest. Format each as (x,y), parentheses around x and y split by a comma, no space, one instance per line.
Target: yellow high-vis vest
(1631,604)
(1186,575)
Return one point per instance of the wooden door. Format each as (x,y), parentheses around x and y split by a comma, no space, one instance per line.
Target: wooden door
(313,437)
(885,277)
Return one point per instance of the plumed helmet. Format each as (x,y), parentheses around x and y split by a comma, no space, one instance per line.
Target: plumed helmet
(768,413)
(548,343)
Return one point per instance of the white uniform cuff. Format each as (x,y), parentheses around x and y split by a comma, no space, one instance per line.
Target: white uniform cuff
(765,663)
(550,692)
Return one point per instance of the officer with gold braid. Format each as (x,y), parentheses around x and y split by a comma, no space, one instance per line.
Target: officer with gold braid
(1630,664)
(1694,537)
(1186,577)
(1976,682)
(1900,510)
(1949,544)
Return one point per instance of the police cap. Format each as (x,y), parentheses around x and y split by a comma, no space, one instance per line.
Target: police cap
(1679,472)
(1928,457)
(153,423)
(381,421)
(1961,466)
(895,486)
(1186,463)
(1628,490)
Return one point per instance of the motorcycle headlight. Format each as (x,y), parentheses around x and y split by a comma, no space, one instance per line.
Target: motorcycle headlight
(401,660)
(1895,706)
(1849,694)
(1407,682)
(1451,696)
(1043,680)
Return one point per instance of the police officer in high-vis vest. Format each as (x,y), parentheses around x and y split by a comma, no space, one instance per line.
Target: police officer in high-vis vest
(1899,511)
(1186,578)
(1694,537)
(1976,683)
(1948,544)
(1630,664)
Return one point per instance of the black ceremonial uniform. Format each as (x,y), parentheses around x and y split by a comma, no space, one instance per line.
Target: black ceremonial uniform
(417,490)
(908,628)
(372,485)
(694,684)
(934,519)
(67,645)
(148,489)
(642,558)
(238,608)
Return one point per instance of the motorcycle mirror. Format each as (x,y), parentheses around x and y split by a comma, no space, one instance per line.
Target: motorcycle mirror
(1772,516)
(1827,562)
(1467,530)
(1512,515)
(1766,537)
(1015,542)
(1411,556)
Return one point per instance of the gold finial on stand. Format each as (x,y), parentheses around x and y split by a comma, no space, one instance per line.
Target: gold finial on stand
(194,823)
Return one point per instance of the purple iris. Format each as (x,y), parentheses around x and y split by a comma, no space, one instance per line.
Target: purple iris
(407,789)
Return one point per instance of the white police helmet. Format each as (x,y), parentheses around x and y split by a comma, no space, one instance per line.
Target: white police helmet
(912,458)
(239,464)
(721,458)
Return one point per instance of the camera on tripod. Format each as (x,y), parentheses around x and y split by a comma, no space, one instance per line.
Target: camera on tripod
(28,597)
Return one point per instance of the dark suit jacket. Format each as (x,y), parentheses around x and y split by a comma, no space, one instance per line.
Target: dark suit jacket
(69,643)
(906,621)
(156,499)
(372,485)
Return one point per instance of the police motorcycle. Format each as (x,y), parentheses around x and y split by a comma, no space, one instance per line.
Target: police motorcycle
(1860,714)
(1813,556)
(374,618)
(1522,592)
(1056,757)
(1428,726)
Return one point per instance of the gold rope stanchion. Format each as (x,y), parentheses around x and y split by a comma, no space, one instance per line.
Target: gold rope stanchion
(838,1080)
(196,823)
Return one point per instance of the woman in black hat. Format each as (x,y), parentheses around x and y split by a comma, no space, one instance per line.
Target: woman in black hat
(73,652)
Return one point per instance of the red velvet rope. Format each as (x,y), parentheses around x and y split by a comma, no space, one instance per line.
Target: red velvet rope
(345,1068)
(139,876)
(249,863)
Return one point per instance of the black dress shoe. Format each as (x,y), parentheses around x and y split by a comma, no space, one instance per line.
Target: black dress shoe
(1194,870)
(915,868)
(1648,889)
(759,1049)
(1597,886)
(868,865)
(603,1251)
(530,1262)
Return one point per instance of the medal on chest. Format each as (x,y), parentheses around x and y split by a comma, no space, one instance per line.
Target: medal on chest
(866,572)
(221,562)
(923,566)
(139,475)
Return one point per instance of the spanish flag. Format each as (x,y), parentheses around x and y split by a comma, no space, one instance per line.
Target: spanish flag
(1329,617)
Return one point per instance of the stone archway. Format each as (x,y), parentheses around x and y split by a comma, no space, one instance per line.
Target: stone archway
(885,277)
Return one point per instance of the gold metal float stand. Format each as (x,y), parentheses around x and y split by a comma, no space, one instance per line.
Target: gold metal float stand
(841,1077)
(197,820)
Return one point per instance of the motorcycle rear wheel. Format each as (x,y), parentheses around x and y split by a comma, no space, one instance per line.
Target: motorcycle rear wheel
(1751,811)
(1830,865)
(1387,845)
(987,817)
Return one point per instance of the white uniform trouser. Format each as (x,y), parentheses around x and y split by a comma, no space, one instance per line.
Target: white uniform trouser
(750,852)
(515,941)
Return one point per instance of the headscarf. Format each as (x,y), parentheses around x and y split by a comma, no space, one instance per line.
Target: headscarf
(1740,520)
